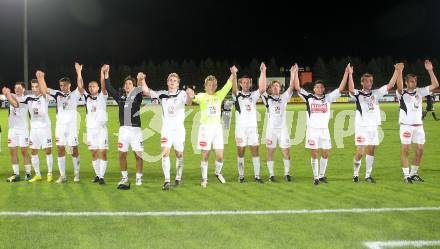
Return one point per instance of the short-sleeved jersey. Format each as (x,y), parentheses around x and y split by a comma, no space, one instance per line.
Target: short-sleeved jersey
(318,108)
(210,105)
(173,106)
(38,109)
(367,106)
(245,108)
(411,105)
(96,109)
(66,106)
(276,109)
(18,117)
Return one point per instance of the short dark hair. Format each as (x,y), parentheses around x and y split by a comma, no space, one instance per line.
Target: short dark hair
(318,82)
(132,80)
(34,81)
(21,84)
(410,75)
(65,79)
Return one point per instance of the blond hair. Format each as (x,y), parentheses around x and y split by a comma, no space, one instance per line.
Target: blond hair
(365,76)
(410,75)
(175,75)
(210,78)
(269,88)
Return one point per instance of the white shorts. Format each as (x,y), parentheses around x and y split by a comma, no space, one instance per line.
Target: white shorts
(97,138)
(412,134)
(277,136)
(210,134)
(246,136)
(366,135)
(130,136)
(66,135)
(40,138)
(170,137)
(318,138)
(18,137)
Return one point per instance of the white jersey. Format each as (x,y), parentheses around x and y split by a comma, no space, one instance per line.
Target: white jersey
(66,106)
(367,106)
(245,108)
(411,105)
(173,106)
(96,108)
(38,108)
(18,117)
(276,109)
(318,108)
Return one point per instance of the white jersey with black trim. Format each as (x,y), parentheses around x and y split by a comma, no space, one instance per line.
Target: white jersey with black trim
(38,109)
(318,108)
(66,106)
(411,105)
(173,106)
(245,108)
(276,109)
(18,117)
(96,108)
(367,106)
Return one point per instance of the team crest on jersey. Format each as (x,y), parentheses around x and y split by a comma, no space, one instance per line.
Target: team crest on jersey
(407,134)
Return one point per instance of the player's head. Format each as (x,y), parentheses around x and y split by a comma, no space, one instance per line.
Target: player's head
(275,87)
(35,87)
(245,83)
(173,81)
(367,81)
(210,84)
(319,88)
(19,88)
(93,88)
(129,84)
(411,81)
(65,84)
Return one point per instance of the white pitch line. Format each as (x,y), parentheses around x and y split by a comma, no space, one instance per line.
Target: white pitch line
(230,212)
(400,243)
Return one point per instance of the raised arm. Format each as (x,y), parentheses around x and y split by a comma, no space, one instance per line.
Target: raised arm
(344,78)
(104,72)
(430,69)
(233,77)
(294,78)
(262,81)
(392,81)
(190,95)
(350,80)
(12,101)
(111,91)
(225,89)
(43,86)
(399,67)
(143,83)
(79,79)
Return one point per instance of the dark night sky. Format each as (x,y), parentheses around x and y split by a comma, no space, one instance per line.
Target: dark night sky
(129,31)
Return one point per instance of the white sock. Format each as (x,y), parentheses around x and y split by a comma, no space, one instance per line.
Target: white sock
(218,167)
(270,168)
(356,166)
(166,167)
(414,169)
(62,166)
(179,168)
(286,166)
(76,164)
(16,169)
(28,168)
(369,160)
(138,175)
(204,167)
(322,167)
(240,164)
(256,163)
(124,175)
(315,167)
(49,161)
(96,165)
(405,172)
(102,168)
(36,164)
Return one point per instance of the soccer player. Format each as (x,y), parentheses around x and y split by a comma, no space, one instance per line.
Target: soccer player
(430,107)
(317,134)
(246,128)
(18,131)
(173,132)
(276,130)
(410,119)
(367,120)
(130,133)
(41,132)
(97,132)
(211,130)
(66,129)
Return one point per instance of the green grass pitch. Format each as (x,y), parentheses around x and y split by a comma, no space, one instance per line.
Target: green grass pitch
(316,230)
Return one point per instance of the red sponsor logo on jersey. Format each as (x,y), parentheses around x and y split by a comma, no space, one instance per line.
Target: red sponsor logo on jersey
(163,140)
(360,139)
(407,134)
(311,142)
(268,142)
(120,145)
(9,140)
(319,108)
(202,143)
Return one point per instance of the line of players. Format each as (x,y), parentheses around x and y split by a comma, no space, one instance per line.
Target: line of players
(210,134)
